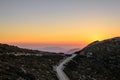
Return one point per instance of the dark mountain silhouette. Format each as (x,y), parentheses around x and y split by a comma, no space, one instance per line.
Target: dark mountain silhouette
(100,60)
(5,48)
(27,67)
(11,49)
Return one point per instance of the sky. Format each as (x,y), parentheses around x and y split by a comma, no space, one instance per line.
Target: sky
(71,22)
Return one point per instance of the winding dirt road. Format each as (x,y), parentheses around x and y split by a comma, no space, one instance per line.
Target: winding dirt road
(59,69)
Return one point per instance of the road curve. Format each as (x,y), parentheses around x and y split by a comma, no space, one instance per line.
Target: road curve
(59,69)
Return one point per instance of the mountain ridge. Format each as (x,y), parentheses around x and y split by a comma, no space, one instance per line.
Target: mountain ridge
(99,60)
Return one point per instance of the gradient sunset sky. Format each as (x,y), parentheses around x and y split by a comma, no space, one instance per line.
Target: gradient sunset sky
(58,21)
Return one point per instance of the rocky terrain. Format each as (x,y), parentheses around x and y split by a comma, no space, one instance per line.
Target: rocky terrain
(98,61)
(27,67)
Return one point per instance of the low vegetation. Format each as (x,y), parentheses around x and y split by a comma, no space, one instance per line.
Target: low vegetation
(28,67)
(97,61)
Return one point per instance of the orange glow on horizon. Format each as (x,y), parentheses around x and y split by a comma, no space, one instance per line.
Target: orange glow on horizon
(70,40)
(49,43)
(58,22)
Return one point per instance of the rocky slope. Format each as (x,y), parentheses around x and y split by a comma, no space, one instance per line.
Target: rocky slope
(12,72)
(98,61)
(27,67)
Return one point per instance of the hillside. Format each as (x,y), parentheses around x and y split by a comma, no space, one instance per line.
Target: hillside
(5,48)
(12,72)
(27,67)
(98,61)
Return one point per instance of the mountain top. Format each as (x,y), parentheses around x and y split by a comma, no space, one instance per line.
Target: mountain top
(100,60)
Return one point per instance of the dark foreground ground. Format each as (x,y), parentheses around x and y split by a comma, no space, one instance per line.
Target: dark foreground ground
(28,67)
